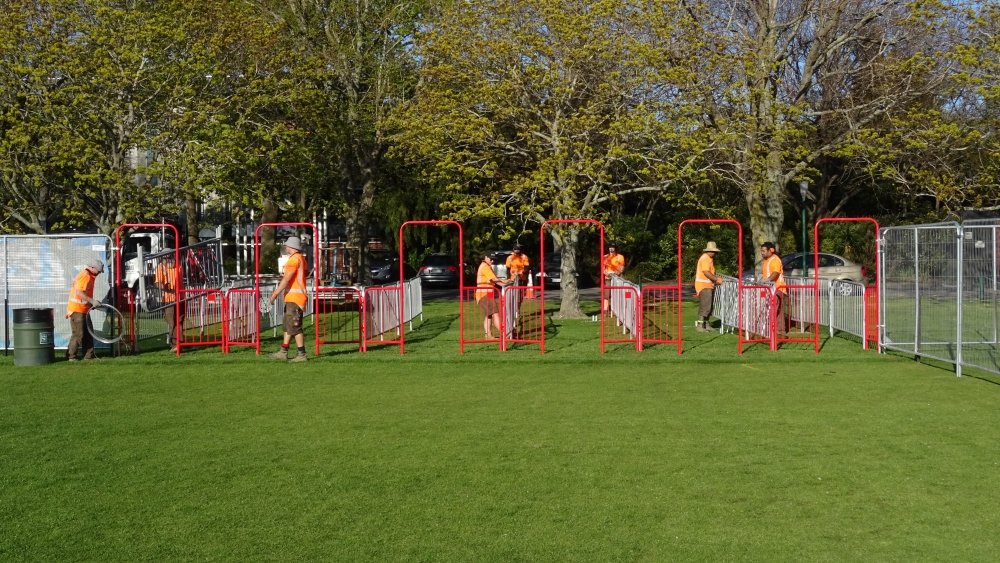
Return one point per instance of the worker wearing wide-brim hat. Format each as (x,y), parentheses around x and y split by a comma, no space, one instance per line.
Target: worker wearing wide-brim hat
(81,301)
(293,285)
(705,280)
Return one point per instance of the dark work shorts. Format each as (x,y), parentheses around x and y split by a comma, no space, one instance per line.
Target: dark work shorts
(293,319)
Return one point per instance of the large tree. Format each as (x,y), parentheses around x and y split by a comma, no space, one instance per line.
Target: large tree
(363,66)
(529,110)
(795,81)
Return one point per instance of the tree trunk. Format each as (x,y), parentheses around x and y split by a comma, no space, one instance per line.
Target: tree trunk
(268,248)
(569,307)
(191,218)
(767,214)
(358,217)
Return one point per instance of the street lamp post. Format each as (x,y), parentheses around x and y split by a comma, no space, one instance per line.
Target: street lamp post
(804,191)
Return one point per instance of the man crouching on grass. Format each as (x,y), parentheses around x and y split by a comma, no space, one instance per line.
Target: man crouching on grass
(293,284)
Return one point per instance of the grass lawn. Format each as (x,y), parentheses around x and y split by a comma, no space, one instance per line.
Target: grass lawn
(650,456)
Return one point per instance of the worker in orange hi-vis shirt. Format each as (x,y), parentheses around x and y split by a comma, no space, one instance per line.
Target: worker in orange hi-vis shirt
(773,272)
(705,281)
(293,284)
(613,264)
(166,279)
(517,266)
(81,300)
(487,283)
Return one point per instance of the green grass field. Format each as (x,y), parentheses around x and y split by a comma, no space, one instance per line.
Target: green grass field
(436,456)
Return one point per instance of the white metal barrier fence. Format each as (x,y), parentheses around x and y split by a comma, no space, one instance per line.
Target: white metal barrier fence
(381,306)
(623,303)
(37,271)
(938,292)
(512,297)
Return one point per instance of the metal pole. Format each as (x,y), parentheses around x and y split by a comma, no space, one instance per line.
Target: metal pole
(958,314)
(916,293)
(959,290)
(994,285)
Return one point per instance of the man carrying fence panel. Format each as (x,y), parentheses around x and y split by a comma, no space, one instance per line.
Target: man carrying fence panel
(705,281)
(293,285)
(166,279)
(81,300)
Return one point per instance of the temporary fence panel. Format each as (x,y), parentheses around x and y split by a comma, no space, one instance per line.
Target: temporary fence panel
(339,318)
(203,318)
(413,300)
(795,314)
(725,302)
(755,315)
(403,295)
(624,309)
(680,262)
(921,302)
(520,316)
(473,317)
(36,271)
(847,311)
(978,294)
(141,323)
(242,318)
(381,306)
(660,315)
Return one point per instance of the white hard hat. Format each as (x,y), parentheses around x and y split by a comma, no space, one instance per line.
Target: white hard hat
(294,242)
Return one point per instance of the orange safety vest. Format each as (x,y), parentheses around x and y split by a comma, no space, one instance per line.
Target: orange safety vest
(81,292)
(705,263)
(484,277)
(614,264)
(166,279)
(296,292)
(771,265)
(516,266)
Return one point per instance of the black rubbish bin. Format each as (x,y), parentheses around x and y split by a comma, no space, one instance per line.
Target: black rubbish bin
(34,337)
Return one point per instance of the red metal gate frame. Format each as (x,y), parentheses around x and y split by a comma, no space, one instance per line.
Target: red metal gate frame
(878,270)
(541,264)
(211,295)
(680,275)
(119,273)
(461,283)
(316,273)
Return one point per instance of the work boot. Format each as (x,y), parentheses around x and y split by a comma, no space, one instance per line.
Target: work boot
(279,355)
(299,357)
(72,360)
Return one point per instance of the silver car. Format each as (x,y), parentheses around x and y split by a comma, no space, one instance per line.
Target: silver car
(831,267)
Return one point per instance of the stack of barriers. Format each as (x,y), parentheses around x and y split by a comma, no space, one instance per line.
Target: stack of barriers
(624,306)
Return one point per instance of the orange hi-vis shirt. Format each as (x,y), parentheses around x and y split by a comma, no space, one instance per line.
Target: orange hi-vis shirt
(614,264)
(81,292)
(771,265)
(296,291)
(484,277)
(166,279)
(517,265)
(705,264)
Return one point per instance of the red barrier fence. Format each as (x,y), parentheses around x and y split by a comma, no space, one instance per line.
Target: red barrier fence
(340,316)
(661,315)
(621,323)
(201,318)
(242,318)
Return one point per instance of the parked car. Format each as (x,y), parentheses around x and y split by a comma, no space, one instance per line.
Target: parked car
(384,267)
(551,273)
(439,269)
(831,267)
